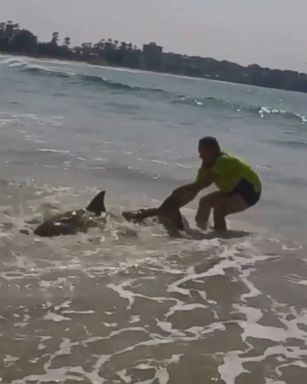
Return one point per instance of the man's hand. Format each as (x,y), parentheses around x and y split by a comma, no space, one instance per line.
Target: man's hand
(184,195)
(180,197)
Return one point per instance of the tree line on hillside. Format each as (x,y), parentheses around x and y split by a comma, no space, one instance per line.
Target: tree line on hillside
(16,40)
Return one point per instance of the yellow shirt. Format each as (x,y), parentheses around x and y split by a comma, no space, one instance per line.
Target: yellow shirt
(228,171)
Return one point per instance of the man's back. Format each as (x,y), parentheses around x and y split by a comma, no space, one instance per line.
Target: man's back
(228,171)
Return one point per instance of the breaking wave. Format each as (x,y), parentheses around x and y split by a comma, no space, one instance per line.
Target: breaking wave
(261,111)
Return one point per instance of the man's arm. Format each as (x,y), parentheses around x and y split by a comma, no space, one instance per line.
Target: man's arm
(180,197)
(185,194)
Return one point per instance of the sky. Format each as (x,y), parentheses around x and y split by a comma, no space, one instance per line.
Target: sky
(267,32)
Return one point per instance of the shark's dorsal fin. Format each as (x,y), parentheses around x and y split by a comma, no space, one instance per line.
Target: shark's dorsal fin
(97,204)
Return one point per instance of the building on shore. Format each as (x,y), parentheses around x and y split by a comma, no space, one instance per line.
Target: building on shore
(152,57)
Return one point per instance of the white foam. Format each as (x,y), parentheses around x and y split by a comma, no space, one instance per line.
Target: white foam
(181,307)
(125,294)
(294,355)
(59,375)
(159,162)
(10,359)
(55,317)
(53,150)
(162,376)
(124,376)
(294,279)
(228,261)
(184,166)
(72,312)
(110,325)
(232,367)
(168,328)
(134,319)
(65,347)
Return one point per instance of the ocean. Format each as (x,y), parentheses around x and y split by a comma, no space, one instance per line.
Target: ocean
(130,304)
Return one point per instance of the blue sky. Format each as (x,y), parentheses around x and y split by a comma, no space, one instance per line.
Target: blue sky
(268,32)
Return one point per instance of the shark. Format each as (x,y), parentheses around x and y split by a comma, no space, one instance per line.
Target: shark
(72,222)
(95,215)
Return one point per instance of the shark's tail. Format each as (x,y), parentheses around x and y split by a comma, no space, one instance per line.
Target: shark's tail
(171,218)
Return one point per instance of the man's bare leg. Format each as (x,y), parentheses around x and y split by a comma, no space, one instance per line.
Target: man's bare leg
(227,206)
(206,204)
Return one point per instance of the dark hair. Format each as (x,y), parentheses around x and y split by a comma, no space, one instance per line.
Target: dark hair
(209,142)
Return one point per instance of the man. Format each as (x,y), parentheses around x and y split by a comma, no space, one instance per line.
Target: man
(239,188)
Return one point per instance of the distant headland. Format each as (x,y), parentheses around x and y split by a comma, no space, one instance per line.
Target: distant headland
(15,40)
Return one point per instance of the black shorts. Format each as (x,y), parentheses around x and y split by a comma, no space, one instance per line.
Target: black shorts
(245,189)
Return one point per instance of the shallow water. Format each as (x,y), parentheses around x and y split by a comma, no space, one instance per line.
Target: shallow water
(129,304)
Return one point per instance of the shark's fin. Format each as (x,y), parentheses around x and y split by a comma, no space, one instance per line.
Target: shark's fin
(97,204)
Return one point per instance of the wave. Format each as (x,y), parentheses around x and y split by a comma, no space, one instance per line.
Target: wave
(83,78)
(4,59)
(50,150)
(265,111)
(100,81)
(290,143)
(260,111)
(47,71)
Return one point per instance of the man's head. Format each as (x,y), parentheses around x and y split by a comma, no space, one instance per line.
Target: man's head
(209,150)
